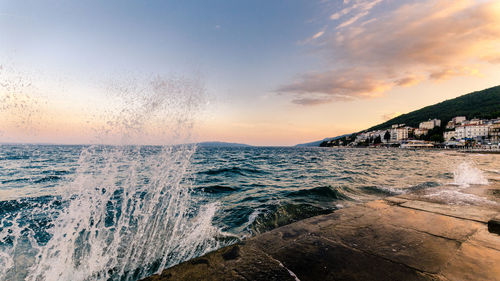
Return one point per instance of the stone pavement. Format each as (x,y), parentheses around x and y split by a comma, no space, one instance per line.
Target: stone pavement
(396,238)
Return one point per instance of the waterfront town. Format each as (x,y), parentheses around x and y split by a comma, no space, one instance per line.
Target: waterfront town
(457,133)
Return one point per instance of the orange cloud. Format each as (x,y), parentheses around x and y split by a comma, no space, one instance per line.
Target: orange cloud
(446,73)
(398,46)
(407,81)
(339,85)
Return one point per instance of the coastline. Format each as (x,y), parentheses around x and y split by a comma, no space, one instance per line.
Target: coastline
(405,237)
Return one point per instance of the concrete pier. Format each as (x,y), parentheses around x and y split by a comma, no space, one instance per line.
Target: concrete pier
(408,237)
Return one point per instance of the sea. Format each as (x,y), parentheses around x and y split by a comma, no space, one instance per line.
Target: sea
(125,212)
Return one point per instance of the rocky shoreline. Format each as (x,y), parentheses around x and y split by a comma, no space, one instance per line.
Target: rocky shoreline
(406,237)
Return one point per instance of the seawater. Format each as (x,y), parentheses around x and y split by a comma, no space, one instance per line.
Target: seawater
(124,212)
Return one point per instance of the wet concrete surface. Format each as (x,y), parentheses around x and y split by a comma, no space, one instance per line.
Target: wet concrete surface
(407,237)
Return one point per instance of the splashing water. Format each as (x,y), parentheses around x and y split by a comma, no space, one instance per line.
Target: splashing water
(456,197)
(128,213)
(116,226)
(466,174)
(19,101)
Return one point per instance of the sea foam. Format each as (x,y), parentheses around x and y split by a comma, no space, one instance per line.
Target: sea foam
(466,173)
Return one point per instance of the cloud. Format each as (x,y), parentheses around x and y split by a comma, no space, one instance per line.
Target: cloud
(312,101)
(391,115)
(314,37)
(337,85)
(317,35)
(400,45)
(446,73)
(360,6)
(352,20)
(407,81)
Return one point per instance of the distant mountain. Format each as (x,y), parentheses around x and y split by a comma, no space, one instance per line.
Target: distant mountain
(481,104)
(221,144)
(317,143)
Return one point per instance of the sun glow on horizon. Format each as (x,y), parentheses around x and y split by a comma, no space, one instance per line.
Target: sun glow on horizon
(321,70)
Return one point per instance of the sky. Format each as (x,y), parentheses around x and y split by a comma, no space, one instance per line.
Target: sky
(257,72)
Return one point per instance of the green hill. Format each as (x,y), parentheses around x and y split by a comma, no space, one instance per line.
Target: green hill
(481,104)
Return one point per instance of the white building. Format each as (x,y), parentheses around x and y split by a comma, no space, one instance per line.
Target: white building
(458,119)
(460,132)
(448,135)
(471,131)
(419,132)
(492,121)
(399,133)
(402,133)
(455,122)
(474,121)
(379,133)
(429,125)
(371,134)
(362,137)
(495,132)
(394,134)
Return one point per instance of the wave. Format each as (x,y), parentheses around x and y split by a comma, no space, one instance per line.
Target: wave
(392,191)
(233,170)
(114,224)
(422,186)
(159,222)
(47,179)
(16,157)
(320,192)
(217,189)
(456,197)
(284,215)
(51,178)
(56,172)
(16,180)
(372,189)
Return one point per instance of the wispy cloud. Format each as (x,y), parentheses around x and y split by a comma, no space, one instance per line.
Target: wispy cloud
(312,100)
(359,7)
(445,73)
(335,85)
(352,20)
(400,46)
(318,35)
(391,115)
(315,36)
(407,81)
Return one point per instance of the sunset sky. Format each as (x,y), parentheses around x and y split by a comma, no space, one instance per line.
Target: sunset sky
(257,72)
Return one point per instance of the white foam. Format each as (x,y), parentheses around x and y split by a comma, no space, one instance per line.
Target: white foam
(466,173)
(457,197)
(253,216)
(157,223)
